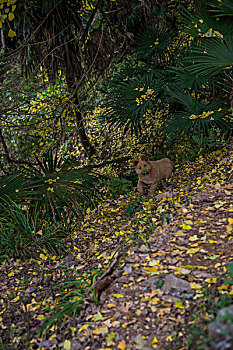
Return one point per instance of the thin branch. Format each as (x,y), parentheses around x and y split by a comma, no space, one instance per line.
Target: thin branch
(7,155)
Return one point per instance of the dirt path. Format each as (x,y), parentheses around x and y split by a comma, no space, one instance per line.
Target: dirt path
(168,248)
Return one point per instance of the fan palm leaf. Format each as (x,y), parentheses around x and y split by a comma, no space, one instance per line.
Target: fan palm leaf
(183,76)
(225,7)
(57,186)
(204,24)
(129,99)
(153,42)
(211,57)
(12,187)
(197,117)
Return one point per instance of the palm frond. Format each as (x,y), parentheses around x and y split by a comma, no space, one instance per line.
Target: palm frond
(129,99)
(211,58)
(12,187)
(152,41)
(224,8)
(204,24)
(183,76)
(196,118)
(57,186)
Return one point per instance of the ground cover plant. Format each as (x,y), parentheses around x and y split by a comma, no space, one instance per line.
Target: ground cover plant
(86,261)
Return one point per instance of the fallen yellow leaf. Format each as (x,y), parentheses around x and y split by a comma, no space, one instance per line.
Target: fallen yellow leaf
(154,301)
(192,250)
(212,242)
(179,305)
(15,299)
(185,226)
(43,257)
(85,326)
(111,305)
(98,317)
(122,345)
(193,238)
(155,340)
(194,285)
(67,345)
(118,296)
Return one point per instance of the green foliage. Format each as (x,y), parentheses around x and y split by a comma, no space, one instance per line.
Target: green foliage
(57,186)
(11,187)
(115,186)
(144,170)
(197,117)
(230,269)
(134,207)
(129,100)
(213,301)
(152,42)
(78,286)
(211,57)
(195,70)
(23,234)
(210,142)
(201,23)
(225,7)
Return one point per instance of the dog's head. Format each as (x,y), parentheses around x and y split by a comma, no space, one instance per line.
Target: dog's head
(142,166)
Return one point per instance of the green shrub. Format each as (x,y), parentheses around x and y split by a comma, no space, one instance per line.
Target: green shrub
(24,234)
(115,186)
(57,185)
(74,292)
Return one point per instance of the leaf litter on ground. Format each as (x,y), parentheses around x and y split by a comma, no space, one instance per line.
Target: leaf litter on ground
(168,248)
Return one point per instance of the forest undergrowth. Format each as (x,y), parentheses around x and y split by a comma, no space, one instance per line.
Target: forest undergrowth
(138,272)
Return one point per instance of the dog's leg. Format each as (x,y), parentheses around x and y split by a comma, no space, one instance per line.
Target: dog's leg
(152,188)
(140,186)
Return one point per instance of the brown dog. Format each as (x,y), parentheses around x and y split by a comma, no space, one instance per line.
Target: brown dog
(152,172)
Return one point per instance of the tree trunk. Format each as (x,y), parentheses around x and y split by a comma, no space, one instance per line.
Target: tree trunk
(89,149)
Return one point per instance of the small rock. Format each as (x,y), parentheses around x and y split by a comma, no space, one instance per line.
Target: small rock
(165,195)
(128,268)
(220,326)
(30,290)
(221,330)
(172,282)
(170,297)
(143,248)
(151,282)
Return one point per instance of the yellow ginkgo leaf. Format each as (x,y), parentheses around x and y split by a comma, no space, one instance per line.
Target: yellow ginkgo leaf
(11,16)
(85,326)
(43,257)
(193,250)
(11,33)
(121,345)
(155,340)
(118,296)
(67,345)
(194,285)
(179,305)
(98,317)
(40,317)
(15,299)
(185,226)
(193,238)
(170,337)
(212,242)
